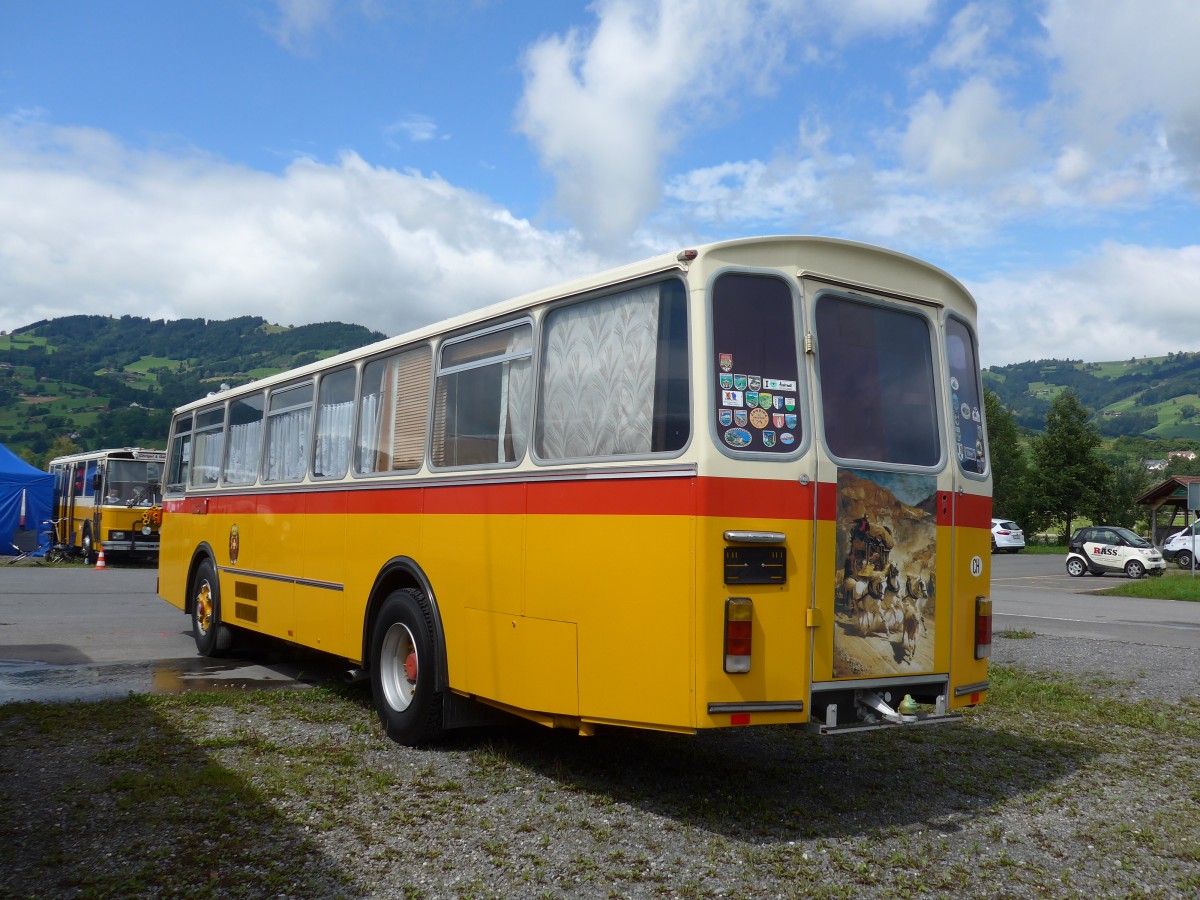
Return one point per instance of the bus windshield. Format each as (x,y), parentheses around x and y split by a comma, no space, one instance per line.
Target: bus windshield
(133,482)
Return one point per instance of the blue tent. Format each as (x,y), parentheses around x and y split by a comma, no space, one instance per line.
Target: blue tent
(26,497)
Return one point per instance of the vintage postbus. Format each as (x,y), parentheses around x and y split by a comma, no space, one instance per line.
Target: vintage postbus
(744,483)
(110,499)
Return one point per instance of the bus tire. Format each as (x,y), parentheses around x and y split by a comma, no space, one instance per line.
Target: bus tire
(404,669)
(213,637)
(87,546)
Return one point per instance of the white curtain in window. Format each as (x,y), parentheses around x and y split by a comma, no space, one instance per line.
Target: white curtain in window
(332,452)
(598,377)
(244,442)
(286,444)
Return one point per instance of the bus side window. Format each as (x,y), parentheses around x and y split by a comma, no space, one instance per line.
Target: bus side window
(179,455)
(335,420)
(484,392)
(289,417)
(244,443)
(613,376)
(209,438)
(392,412)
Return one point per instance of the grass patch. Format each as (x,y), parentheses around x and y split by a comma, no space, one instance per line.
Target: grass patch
(1174,584)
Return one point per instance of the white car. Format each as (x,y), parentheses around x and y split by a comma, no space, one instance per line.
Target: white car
(1101,549)
(1007,535)
(1181,546)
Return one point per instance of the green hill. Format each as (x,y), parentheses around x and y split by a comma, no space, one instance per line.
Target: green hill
(108,382)
(1152,398)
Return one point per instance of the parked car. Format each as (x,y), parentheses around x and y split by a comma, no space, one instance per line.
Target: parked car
(1007,535)
(1101,549)
(1181,546)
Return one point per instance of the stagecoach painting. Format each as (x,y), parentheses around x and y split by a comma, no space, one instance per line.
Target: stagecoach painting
(884,590)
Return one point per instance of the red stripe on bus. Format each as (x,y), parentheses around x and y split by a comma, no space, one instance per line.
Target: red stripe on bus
(743,497)
(645,496)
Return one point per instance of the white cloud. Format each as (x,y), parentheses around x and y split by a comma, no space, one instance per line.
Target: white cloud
(299,20)
(1119,301)
(89,226)
(1128,75)
(851,19)
(605,108)
(415,127)
(970,139)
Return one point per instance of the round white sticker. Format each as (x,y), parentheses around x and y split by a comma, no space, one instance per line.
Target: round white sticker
(976,566)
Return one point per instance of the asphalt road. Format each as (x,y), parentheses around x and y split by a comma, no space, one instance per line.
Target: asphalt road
(78,633)
(1034,592)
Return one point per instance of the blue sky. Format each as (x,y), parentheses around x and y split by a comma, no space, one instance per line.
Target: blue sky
(394,163)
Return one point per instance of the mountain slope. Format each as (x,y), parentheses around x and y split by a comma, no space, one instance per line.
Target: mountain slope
(109,382)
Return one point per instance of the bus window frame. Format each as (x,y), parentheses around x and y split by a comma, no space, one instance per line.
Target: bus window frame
(449,341)
(357,369)
(807,419)
(539,345)
(910,306)
(978,371)
(179,488)
(310,382)
(223,429)
(227,449)
(362,365)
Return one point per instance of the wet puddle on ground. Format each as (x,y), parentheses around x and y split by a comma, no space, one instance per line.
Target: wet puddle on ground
(22,680)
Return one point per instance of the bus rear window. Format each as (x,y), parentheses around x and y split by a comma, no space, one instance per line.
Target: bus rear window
(877,382)
(964,397)
(757,373)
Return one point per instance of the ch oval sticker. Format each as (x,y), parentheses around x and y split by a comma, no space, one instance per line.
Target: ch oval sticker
(976,566)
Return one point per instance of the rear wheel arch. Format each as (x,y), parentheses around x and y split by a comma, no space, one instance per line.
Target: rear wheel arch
(397,574)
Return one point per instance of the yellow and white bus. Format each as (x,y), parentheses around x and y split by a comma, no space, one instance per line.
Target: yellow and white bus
(110,499)
(745,483)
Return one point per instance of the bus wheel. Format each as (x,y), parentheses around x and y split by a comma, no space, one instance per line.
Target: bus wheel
(404,669)
(89,550)
(212,637)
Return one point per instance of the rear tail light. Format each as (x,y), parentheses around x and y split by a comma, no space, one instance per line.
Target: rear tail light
(739,624)
(983,627)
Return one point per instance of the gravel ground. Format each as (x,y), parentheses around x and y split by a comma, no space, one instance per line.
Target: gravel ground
(1057,788)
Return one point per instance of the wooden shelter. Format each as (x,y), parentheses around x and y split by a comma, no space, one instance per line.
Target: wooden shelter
(1168,497)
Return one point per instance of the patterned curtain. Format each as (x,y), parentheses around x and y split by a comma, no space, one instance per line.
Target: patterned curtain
(598,377)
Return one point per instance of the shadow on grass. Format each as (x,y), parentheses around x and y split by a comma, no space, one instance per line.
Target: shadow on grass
(779,784)
(138,809)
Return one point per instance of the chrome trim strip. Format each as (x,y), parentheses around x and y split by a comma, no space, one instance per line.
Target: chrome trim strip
(898,680)
(756,537)
(757,706)
(964,689)
(287,579)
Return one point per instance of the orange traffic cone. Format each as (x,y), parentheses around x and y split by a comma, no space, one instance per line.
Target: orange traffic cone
(100,560)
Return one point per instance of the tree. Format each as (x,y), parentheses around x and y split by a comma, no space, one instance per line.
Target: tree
(1009,466)
(1116,503)
(62,446)
(1068,474)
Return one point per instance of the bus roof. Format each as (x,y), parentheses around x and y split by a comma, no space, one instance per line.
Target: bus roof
(847,262)
(140,453)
